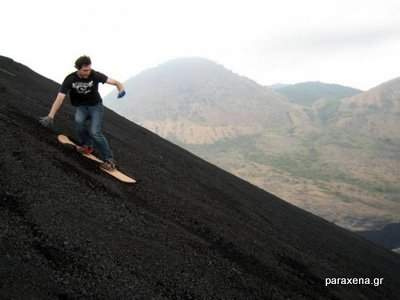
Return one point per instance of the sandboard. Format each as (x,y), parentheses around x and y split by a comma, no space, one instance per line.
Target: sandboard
(63,139)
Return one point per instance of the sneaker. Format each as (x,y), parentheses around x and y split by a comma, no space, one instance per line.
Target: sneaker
(84,149)
(108,165)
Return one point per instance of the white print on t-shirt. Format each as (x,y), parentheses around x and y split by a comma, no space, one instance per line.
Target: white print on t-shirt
(82,87)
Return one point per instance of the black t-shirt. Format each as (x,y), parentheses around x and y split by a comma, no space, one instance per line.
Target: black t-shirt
(83,91)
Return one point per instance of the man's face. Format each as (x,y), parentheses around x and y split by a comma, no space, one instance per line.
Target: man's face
(84,72)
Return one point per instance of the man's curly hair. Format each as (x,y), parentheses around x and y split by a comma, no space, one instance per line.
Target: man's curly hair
(82,61)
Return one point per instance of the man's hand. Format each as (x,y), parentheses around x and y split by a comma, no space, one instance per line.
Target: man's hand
(46,121)
(121,94)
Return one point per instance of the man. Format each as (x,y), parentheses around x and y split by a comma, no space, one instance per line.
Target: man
(82,86)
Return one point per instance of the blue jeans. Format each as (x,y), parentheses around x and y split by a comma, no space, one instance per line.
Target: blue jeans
(92,134)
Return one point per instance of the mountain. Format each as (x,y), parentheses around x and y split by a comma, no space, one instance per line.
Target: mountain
(186,230)
(374,112)
(307,93)
(363,134)
(388,236)
(197,101)
(296,152)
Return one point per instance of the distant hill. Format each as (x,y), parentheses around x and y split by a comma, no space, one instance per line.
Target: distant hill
(374,113)
(307,93)
(388,236)
(186,230)
(197,101)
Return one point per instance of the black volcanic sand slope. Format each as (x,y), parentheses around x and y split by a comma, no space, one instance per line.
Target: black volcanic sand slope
(186,230)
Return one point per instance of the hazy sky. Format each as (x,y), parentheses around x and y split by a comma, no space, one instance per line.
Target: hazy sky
(350,42)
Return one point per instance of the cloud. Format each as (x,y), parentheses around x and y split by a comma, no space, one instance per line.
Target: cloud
(327,41)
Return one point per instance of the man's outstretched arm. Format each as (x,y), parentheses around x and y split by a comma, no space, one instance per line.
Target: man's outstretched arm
(48,120)
(120,87)
(56,105)
(118,84)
